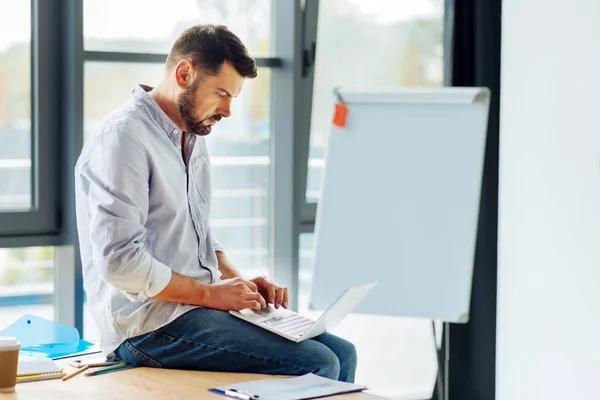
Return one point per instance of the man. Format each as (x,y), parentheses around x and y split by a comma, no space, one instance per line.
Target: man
(159,285)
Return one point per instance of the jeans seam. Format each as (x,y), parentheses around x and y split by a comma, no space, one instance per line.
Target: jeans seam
(261,357)
(138,353)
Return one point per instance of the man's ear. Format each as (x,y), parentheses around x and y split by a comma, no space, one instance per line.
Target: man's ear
(184,73)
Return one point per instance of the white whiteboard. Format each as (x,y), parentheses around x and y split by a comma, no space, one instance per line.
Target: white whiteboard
(400,201)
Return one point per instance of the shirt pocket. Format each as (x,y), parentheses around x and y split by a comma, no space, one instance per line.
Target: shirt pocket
(200,177)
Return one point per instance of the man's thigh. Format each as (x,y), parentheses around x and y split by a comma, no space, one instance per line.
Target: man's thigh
(207,339)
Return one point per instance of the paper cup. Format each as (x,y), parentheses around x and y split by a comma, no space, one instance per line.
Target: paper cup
(9,360)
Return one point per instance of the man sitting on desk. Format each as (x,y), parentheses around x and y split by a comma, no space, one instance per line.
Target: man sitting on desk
(159,285)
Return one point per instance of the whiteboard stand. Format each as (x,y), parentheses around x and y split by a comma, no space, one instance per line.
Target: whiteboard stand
(441,389)
(400,201)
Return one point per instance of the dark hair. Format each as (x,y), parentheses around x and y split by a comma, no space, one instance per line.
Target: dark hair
(208,47)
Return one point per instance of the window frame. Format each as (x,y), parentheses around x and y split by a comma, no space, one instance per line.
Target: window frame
(41,224)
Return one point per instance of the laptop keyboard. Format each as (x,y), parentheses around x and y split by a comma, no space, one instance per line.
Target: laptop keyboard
(294,324)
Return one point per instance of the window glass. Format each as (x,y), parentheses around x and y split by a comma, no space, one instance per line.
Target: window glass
(396,43)
(26,283)
(15,105)
(151,26)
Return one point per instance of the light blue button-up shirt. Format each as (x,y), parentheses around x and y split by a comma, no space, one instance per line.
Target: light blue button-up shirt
(143,210)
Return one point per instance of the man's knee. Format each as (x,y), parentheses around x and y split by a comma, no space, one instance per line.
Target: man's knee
(346,354)
(349,355)
(326,364)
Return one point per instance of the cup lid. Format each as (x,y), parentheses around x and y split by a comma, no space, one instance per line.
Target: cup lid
(9,343)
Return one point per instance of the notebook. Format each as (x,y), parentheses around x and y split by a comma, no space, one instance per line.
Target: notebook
(31,369)
(40,377)
(297,328)
(35,366)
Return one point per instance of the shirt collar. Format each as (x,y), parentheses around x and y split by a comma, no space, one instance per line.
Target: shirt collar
(141,96)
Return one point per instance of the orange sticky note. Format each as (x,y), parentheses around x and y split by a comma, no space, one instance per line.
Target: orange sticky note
(339,116)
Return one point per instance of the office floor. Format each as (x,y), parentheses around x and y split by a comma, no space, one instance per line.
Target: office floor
(396,355)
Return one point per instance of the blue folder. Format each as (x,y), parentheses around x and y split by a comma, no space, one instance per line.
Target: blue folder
(40,337)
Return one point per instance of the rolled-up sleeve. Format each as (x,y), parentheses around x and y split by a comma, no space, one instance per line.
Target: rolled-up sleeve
(115,176)
(216,243)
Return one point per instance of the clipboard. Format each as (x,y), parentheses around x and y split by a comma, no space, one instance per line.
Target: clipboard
(309,386)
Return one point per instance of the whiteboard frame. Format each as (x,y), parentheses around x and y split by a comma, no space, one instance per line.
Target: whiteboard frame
(475,98)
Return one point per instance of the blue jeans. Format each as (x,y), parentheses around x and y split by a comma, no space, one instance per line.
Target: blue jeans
(212,340)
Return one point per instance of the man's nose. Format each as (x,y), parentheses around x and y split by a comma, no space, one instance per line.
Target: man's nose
(225,110)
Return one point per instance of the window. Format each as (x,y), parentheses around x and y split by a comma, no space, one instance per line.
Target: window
(47,110)
(26,283)
(152,26)
(239,146)
(239,149)
(107,85)
(15,105)
(385,43)
(29,166)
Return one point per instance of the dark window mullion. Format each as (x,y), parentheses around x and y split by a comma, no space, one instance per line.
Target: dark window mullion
(154,58)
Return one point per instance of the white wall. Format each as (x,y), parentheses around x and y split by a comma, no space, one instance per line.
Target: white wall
(549,240)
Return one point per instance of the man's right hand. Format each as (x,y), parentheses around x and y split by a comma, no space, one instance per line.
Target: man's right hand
(234,294)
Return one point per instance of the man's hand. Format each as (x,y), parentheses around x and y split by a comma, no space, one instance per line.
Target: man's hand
(272,292)
(234,294)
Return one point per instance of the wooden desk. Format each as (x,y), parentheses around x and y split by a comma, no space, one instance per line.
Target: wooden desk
(141,384)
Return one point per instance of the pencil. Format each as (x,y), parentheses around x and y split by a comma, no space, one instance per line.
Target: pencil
(106,368)
(79,364)
(40,377)
(76,372)
(118,367)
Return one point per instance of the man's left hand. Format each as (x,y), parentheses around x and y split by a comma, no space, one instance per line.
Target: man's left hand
(272,292)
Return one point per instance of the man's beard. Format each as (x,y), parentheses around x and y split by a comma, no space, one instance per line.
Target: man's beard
(186,103)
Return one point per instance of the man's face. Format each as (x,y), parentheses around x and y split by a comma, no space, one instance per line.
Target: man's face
(208,99)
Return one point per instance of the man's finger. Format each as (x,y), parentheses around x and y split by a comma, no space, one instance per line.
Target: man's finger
(285,298)
(258,297)
(255,305)
(251,285)
(279,297)
(272,295)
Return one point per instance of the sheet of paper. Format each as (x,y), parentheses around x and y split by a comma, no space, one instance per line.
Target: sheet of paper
(33,365)
(307,386)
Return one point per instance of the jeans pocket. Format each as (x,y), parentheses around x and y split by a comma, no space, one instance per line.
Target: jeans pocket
(129,353)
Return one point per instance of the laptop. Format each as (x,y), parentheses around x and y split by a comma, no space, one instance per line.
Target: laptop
(297,328)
